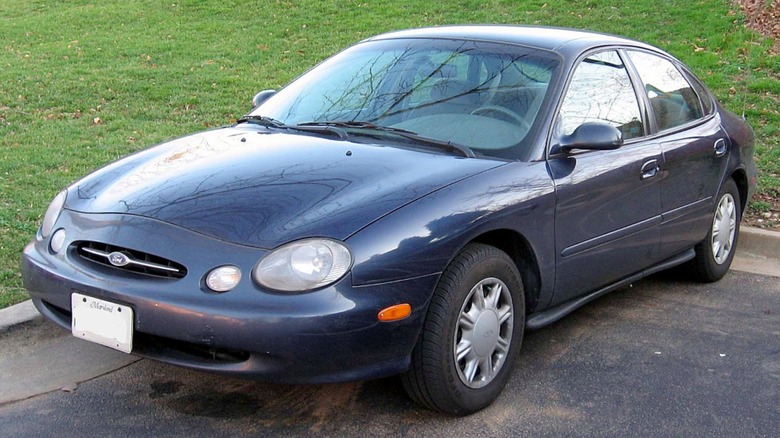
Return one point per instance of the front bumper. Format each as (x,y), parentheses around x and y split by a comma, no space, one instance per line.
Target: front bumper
(328,335)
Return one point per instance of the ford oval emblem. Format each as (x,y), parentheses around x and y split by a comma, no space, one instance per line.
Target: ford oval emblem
(118,259)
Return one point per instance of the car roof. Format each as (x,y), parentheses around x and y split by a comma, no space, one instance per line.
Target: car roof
(562,40)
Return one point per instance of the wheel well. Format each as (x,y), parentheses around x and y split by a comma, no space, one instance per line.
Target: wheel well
(740,178)
(520,251)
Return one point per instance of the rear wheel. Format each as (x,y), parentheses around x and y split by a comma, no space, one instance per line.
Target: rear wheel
(471,335)
(715,253)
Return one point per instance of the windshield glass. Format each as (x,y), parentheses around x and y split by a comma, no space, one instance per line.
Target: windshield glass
(485,96)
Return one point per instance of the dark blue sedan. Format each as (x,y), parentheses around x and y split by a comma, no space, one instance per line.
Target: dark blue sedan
(409,206)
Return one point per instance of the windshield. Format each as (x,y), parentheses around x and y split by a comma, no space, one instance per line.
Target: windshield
(484,96)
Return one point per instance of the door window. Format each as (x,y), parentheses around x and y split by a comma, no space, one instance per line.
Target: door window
(673,100)
(601,91)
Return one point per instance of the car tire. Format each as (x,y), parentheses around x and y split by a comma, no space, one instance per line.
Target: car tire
(715,253)
(468,344)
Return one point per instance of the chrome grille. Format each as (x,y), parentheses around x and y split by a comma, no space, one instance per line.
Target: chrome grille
(130,260)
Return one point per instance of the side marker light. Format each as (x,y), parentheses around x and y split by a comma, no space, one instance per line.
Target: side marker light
(395,313)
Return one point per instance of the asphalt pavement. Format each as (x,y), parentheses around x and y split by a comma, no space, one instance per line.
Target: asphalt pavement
(37,357)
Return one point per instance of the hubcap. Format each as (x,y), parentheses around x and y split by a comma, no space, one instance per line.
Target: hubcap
(484,333)
(724,226)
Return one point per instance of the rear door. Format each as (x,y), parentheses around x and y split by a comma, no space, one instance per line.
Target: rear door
(694,146)
(608,202)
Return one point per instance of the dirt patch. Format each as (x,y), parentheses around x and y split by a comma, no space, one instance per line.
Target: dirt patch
(767,218)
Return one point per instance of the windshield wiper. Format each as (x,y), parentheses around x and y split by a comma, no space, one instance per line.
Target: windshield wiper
(269,122)
(338,128)
(357,125)
(262,121)
(410,135)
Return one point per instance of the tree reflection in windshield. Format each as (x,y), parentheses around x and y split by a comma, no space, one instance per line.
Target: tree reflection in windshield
(482,95)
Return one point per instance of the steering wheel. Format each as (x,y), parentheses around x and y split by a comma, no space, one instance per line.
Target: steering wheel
(505,111)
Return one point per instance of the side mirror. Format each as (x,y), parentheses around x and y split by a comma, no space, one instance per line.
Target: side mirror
(262,97)
(591,136)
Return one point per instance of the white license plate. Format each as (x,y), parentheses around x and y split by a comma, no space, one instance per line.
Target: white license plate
(102,322)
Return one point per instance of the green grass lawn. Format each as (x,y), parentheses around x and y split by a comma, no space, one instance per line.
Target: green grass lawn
(85,82)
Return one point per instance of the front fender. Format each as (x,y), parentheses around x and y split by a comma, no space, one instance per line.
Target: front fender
(423,237)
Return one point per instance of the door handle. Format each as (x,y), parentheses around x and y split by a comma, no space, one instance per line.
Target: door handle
(720,147)
(650,169)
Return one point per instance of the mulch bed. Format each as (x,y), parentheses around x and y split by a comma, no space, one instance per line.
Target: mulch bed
(764,17)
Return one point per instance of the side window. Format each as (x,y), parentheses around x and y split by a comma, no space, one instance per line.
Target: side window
(673,100)
(704,96)
(601,91)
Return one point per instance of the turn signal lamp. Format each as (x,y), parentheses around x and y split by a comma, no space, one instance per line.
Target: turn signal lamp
(395,313)
(57,241)
(223,278)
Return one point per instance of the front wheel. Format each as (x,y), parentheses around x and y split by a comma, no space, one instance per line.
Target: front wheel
(715,253)
(471,335)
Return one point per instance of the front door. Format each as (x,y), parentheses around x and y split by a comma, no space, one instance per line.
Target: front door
(607,218)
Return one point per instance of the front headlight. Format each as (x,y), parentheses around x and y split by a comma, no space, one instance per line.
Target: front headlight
(53,213)
(303,265)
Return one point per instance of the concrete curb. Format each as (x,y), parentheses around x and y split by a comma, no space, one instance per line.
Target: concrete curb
(759,242)
(753,241)
(17,314)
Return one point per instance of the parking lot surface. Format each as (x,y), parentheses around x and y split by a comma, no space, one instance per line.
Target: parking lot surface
(664,357)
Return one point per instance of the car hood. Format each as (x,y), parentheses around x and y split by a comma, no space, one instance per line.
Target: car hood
(249,186)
